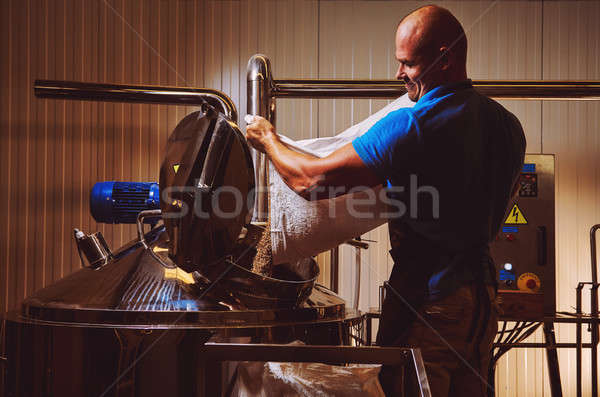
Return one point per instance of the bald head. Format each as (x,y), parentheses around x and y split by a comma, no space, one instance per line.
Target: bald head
(435,27)
(432,42)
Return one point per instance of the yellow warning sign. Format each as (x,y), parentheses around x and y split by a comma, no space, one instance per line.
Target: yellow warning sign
(176,167)
(515,216)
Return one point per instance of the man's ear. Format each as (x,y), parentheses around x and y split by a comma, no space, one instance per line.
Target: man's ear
(444,58)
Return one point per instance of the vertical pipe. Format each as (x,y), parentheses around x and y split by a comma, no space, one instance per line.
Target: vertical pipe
(594,308)
(261,101)
(357,256)
(578,339)
(335,259)
(552,360)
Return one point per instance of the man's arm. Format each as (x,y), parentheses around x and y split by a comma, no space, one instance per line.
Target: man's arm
(311,177)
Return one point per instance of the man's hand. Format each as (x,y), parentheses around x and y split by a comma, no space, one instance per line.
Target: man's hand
(260,133)
(307,174)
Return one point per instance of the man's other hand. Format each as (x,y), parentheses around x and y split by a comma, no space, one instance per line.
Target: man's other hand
(260,133)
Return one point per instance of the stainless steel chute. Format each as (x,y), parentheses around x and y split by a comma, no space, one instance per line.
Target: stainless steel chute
(206,181)
(207,194)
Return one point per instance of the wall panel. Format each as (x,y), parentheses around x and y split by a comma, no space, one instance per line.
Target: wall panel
(54,151)
(571,43)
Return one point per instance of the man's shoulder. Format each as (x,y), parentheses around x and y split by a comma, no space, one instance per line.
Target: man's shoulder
(399,120)
(400,113)
(462,102)
(498,108)
(447,106)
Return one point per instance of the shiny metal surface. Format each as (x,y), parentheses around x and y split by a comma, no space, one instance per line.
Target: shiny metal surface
(388,89)
(303,353)
(135,289)
(135,327)
(206,188)
(46,359)
(357,260)
(540,90)
(261,101)
(140,223)
(289,286)
(162,259)
(419,366)
(135,94)
(93,249)
(595,337)
(68,359)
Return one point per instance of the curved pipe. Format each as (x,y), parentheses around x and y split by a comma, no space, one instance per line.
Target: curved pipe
(594,307)
(261,101)
(140,223)
(593,231)
(56,89)
(389,89)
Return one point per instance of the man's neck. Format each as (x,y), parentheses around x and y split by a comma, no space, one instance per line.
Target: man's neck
(455,79)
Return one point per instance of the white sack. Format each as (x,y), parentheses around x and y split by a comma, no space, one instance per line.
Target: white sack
(258,379)
(301,228)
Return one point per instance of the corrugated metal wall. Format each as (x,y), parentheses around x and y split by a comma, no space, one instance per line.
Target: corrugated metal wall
(52,152)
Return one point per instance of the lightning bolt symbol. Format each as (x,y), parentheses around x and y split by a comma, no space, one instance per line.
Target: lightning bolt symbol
(516,214)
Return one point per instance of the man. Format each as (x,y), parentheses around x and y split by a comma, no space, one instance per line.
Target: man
(469,151)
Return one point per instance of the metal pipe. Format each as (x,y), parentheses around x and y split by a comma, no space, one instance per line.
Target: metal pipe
(421,374)
(578,340)
(357,258)
(338,89)
(140,224)
(334,264)
(212,352)
(388,89)
(594,258)
(552,360)
(527,345)
(594,309)
(135,94)
(261,102)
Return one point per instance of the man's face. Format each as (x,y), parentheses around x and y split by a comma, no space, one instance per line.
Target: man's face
(413,64)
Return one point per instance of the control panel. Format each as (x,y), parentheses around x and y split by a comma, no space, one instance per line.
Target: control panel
(524,250)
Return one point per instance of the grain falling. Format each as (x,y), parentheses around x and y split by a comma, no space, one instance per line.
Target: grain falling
(263,261)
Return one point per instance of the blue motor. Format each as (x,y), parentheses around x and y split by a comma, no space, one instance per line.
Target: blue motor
(121,202)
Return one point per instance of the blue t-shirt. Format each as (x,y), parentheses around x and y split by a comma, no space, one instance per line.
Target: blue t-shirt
(452,161)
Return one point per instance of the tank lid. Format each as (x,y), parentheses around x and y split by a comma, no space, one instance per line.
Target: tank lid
(206,189)
(135,289)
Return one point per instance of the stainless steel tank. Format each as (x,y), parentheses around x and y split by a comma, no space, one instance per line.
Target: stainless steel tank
(135,326)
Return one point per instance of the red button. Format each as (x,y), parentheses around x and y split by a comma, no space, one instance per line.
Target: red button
(510,237)
(531,284)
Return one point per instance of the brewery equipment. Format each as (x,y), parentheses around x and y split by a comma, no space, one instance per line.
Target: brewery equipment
(524,250)
(133,320)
